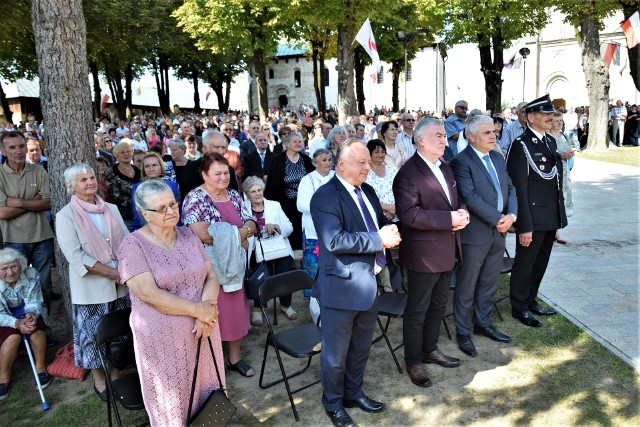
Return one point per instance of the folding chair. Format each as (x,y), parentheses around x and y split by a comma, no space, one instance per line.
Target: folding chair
(301,341)
(126,389)
(391,305)
(507,265)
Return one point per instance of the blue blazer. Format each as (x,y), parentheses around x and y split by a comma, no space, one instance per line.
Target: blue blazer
(476,189)
(346,278)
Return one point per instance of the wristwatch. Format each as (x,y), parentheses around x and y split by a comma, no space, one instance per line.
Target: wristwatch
(514,216)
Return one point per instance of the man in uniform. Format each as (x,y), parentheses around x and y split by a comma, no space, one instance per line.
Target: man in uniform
(535,167)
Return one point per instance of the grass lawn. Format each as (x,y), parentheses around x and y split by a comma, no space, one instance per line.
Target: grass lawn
(554,375)
(626,155)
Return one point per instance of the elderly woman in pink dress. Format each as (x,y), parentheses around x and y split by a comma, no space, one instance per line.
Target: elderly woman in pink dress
(174,296)
(214,202)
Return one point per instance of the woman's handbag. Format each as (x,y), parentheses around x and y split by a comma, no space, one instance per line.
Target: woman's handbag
(64,365)
(217,409)
(273,247)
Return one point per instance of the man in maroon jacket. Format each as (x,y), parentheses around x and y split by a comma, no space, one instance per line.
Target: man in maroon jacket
(431,216)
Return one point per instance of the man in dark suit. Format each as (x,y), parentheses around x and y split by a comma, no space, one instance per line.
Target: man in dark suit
(535,167)
(347,216)
(249,146)
(257,162)
(487,191)
(431,216)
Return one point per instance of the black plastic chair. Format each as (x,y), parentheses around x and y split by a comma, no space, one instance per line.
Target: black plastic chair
(301,341)
(507,266)
(391,305)
(126,389)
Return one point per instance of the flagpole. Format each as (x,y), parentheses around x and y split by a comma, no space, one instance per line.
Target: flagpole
(610,34)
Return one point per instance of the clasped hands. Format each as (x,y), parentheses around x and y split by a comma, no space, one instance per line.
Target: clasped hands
(390,236)
(206,317)
(27,325)
(459,219)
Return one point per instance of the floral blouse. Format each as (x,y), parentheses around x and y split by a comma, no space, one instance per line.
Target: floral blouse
(198,206)
(120,188)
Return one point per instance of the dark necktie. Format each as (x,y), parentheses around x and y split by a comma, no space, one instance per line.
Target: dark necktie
(371,226)
(496,183)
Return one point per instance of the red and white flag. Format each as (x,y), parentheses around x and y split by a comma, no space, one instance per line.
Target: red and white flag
(206,98)
(103,104)
(513,63)
(631,28)
(610,52)
(368,42)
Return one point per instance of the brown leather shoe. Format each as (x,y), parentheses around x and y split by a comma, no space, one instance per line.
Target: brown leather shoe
(418,375)
(441,359)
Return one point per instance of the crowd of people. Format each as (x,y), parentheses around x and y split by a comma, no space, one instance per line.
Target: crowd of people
(168,221)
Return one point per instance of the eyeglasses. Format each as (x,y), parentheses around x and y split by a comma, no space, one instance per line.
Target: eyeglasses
(409,120)
(162,210)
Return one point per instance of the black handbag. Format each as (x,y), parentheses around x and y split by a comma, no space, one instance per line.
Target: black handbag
(217,410)
(256,278)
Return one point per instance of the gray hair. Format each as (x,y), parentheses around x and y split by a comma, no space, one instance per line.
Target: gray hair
(318,153)
(147,189)
(337,129)
(424,124)
(177,143)
(344,147)
(250,182)
(473,123)
(8,255)
(72,172)
(213,135)
(472,114)
(287,138)
(462,101)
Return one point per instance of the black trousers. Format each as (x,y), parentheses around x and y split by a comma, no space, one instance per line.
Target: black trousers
(529,267)
(427,298)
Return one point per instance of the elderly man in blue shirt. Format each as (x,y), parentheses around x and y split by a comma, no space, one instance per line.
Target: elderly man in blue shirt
(455,124)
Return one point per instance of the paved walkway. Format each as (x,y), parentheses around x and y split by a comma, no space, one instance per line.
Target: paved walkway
(594,280)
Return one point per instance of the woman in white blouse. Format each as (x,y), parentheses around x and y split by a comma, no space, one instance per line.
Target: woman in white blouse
(381,178)
(308,185)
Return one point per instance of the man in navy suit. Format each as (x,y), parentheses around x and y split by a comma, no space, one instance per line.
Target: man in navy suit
(257,163)
(486,189)
(347,216)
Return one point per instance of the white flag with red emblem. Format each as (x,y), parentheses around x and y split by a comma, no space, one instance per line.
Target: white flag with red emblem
(366,39)
(631,28)
(103,103)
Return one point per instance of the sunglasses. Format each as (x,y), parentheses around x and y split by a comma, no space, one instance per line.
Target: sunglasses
(162,210)
(409,120)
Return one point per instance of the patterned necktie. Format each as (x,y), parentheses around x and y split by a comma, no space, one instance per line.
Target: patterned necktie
(496,183)
(371,226)
(262,160)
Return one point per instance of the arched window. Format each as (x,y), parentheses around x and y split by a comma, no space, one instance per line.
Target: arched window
(381,76)
(326,76)
(296,78)
(271,73)
(409,73)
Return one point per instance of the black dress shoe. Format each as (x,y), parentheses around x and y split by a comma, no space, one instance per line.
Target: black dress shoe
(340,418)
(364,403)
(537,309)
(466,345)
(527,318)
(439,358)
(491,332)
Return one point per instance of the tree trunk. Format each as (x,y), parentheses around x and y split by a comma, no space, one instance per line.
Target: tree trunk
(164,69)
(97,99)
(492,70)
(316,76)
(597,75)
(634,54)
(346,94)
(114,77)
(128,83)
(395,86)
(65,97)
(261,82)
(4,103)
(196,93)
(323,83)
(228,80)
(359,70)
(216,85)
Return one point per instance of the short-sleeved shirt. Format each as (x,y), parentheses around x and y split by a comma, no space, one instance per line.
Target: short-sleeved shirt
(30,227)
